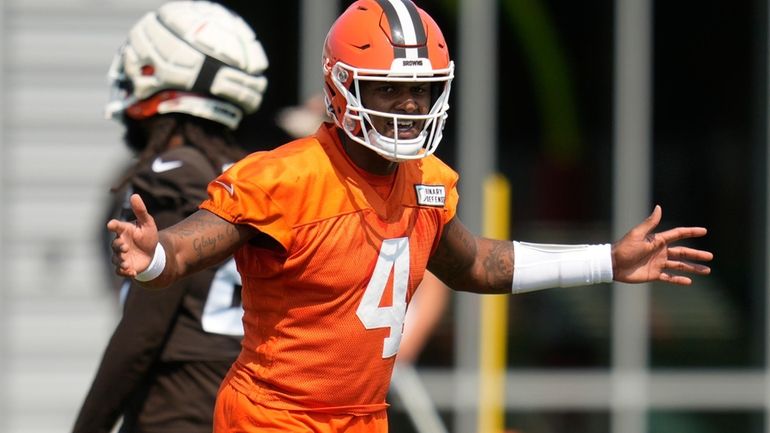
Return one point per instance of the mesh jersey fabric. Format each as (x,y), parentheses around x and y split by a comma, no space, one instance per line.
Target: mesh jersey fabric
(305,347)
(234,413)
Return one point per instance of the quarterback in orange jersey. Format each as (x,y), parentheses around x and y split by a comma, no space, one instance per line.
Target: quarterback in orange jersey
(337,286)
(332,233)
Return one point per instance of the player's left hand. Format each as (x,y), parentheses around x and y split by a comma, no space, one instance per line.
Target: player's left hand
(642,255)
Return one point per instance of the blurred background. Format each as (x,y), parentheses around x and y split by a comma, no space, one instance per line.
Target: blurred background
(593,111)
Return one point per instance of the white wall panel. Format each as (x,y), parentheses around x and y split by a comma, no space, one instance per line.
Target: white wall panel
(59,154)
(42,164)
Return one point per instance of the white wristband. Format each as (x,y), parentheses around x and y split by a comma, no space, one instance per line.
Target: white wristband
(156,266)
(540,266)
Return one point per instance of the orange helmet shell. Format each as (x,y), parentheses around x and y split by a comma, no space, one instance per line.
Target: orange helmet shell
(375,35)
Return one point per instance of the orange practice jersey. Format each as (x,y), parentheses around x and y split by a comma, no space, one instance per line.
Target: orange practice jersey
(323,319)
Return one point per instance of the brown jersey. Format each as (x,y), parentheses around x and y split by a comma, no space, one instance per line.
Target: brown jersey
(172,347)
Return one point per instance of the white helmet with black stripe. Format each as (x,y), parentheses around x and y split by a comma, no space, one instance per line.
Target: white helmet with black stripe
(192,57)
(387,40)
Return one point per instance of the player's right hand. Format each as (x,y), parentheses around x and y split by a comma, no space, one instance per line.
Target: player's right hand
(135,241)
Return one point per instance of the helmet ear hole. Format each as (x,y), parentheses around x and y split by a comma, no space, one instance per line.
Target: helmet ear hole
(330,91)
(147,70)
(330,95)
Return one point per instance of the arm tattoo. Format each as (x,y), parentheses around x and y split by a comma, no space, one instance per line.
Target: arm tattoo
(454,254)
(498,266)
(469,263)
(205,235)
(203,243)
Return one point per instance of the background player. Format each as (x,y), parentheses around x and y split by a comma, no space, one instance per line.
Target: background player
(182,81)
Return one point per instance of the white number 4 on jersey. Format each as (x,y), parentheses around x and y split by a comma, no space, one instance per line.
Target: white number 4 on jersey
(394,256)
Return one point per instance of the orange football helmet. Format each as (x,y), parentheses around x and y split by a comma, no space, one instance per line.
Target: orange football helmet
(386,40)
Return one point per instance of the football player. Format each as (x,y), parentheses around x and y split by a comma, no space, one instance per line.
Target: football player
(332,233)
(182,81)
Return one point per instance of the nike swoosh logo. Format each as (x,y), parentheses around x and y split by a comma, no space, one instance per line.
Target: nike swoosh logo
(227,187)
(159,165)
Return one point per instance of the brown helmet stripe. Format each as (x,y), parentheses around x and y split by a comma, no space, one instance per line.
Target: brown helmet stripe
(406,28)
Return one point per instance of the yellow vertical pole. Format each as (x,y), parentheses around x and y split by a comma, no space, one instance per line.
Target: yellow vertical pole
(494,315)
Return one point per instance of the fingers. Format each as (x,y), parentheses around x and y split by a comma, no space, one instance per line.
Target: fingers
(675,279)
(132,239)
(679,261)
(693,268)
(685,253)
(680,233)
(140,210)
(120,248)
(649,223)
(125,271)
(656,215)
(116,226)
(120,260)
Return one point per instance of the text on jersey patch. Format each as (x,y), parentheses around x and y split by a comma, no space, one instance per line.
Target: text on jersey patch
(430,195)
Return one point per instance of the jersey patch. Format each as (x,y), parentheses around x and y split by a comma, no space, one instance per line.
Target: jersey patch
(430,195)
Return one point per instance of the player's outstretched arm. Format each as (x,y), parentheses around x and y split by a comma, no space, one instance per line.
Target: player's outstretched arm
(201,240)
(466,262)
(643,255)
